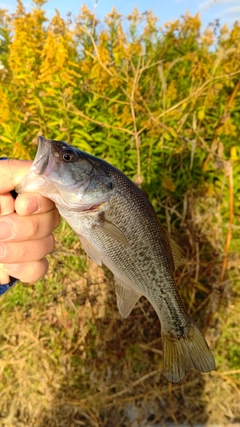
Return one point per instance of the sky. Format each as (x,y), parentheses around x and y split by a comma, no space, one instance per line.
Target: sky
(228,11)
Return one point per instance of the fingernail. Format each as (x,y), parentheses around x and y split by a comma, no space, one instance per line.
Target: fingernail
(32,205)
(10,268)
(6,230)
(2,250)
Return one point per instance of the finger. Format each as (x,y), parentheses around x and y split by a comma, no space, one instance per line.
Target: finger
(34,250)
(30,203)
(4,277)
(28,272)
(12,173)
(6,207)
(6,204)
(23,228)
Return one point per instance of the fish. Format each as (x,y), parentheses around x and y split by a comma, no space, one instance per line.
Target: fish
(118,227)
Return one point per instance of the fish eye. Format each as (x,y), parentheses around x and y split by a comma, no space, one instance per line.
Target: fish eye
(68,156)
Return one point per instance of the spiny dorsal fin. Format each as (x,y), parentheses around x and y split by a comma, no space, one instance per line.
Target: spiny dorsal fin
(179,256)
(126,297)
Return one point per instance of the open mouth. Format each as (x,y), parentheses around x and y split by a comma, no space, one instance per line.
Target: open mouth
(39,167)
(42,157)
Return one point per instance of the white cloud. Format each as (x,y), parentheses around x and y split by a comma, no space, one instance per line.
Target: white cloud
(211,3)
(229,15)
(231,10)
(228,11)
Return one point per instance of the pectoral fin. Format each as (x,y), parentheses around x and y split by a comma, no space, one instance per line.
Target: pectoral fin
(111,230)
(91,250)
(126,297)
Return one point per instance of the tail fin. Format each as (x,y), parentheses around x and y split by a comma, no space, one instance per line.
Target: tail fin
(180,355)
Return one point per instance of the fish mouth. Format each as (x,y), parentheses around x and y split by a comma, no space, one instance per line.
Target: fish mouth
(42,165)
(41,160)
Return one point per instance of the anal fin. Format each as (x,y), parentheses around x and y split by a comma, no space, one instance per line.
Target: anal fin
(126,297)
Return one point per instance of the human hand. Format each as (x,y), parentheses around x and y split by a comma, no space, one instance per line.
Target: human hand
(26,234)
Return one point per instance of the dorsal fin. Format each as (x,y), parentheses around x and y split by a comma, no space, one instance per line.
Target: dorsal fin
(179,256)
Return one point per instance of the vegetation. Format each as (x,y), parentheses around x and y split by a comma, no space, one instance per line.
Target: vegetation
(163,105)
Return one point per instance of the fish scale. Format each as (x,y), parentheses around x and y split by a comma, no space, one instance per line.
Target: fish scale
(118,227)
(154,267)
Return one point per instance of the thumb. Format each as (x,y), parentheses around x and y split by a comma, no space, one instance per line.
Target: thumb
(12,173)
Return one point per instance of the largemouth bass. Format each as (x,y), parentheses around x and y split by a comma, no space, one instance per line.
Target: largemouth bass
(118,227)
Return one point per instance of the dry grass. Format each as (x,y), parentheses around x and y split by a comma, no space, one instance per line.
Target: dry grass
(69,359)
